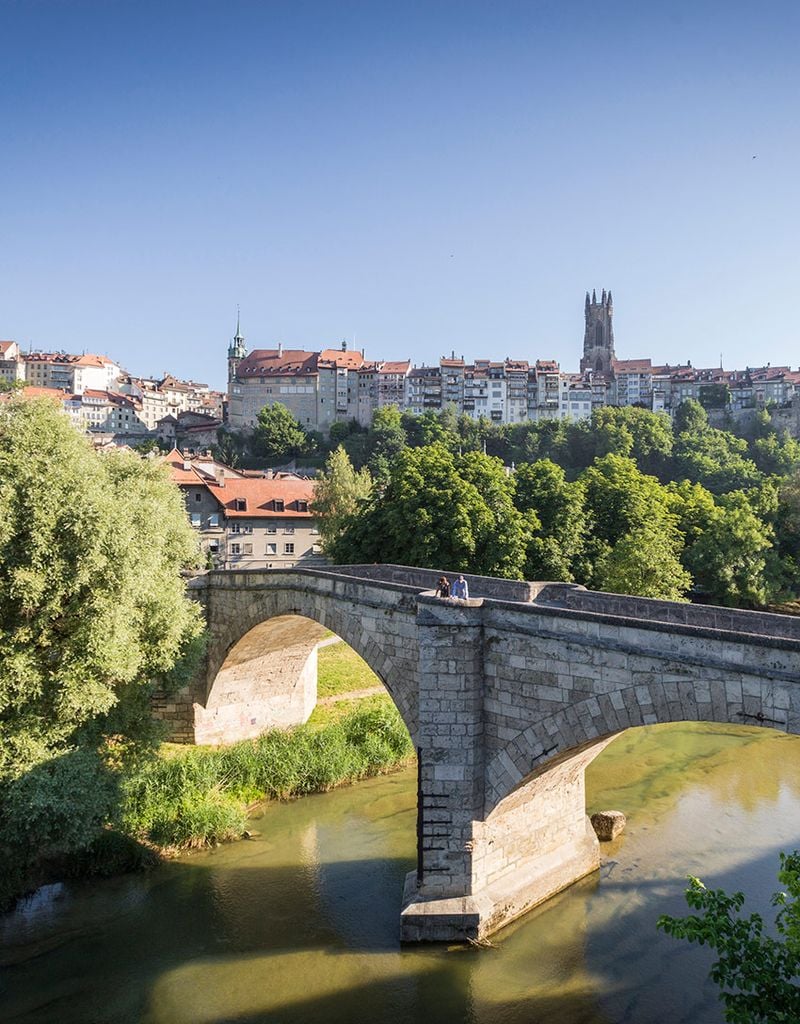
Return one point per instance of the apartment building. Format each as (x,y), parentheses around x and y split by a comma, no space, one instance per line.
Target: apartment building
(12,366)
(71,373)
(245,521)
(105,412)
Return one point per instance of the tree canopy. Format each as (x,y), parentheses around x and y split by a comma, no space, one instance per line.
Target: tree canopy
(278,435)
(93,607)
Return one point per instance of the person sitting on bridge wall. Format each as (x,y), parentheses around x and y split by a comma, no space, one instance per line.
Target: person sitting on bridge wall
(443,587)
(460,589)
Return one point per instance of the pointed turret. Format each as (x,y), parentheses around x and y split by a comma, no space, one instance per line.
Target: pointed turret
(236,350)
(594,297)
(609,302)
(603,298)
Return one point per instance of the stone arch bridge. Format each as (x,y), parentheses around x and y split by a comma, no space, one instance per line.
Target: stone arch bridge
(508,697)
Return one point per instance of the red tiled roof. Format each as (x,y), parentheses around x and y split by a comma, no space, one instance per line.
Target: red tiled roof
(5,346)
(631,365)
(269,362)
(399,367)
(34,392)
(342,360)
(260,494)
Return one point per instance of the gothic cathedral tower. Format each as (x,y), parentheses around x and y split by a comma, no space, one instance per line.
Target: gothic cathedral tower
(236,351)
(598,338)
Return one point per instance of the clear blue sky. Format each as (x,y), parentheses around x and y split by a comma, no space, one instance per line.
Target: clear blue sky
(421,177)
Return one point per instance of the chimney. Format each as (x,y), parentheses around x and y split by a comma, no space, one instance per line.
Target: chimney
(280,348)
(186,464)
(219,475)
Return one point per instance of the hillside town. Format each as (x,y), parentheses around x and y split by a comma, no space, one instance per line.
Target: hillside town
(334,385)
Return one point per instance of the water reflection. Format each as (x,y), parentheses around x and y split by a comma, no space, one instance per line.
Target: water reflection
(301,923)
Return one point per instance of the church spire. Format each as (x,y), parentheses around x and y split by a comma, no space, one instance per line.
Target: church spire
(594,297)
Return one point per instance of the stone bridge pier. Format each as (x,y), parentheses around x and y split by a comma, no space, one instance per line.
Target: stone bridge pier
(478,866)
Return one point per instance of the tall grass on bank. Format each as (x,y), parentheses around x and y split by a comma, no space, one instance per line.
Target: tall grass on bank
(200,796)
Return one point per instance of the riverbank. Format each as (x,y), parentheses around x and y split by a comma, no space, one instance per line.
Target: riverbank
(191,797)
(201,796)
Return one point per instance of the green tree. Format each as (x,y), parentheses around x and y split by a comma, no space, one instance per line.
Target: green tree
(430,513)
(776,454)
(385,441)
(501,548)
(732,560)
(716,459)
(93,611)
(338,494)
(555,550)
(278,436)
(645,562)
(715,396)
(690,417)
(230,447)
(757,973)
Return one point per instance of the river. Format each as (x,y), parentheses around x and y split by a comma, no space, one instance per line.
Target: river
(300,923)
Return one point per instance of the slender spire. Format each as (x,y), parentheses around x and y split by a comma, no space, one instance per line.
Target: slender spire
(594,297)
(238,335)
(603,298)
(609,298)
(587,300)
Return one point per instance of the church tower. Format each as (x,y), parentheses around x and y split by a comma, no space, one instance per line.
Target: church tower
(236,351)
(598,337)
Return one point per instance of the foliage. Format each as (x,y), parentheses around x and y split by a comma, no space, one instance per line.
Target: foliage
(690,418)
(645,562)
(200,796)
(387,439)
(756,973)
(230,447)
(714,458)
(278,436)
(439,510)
(715,396)
(559,528)
(732,559)
(338,493)
(92,611)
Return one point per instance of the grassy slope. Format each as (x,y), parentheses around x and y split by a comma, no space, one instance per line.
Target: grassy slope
(340,670)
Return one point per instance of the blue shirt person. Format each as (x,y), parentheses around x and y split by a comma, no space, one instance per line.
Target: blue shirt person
(460,589)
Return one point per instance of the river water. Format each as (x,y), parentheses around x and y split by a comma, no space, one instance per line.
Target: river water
(300,924)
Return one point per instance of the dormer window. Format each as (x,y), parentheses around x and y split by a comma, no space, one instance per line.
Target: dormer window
(279,505)
(302,506)
(240,504)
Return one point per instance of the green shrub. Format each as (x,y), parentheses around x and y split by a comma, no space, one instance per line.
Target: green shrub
(200,796)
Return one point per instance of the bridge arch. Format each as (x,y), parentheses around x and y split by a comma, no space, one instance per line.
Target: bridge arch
(262,653)
(709,695)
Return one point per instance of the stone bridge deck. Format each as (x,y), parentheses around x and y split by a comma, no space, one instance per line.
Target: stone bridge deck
(508,697)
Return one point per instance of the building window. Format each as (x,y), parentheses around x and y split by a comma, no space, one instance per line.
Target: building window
(288,529)
(272,529)
(302,506)
(240,504)
(236,549)
(278,503)
(247,528)
(198,496)
(272,549)
(288,549)
(213,520)
(236,527)
(196,519)
(247,549)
